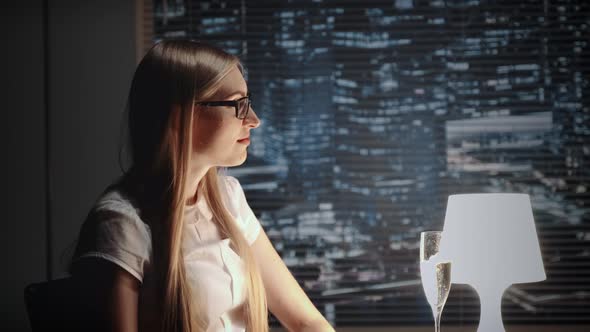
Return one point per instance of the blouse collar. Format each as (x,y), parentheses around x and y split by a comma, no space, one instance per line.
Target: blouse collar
(201,207)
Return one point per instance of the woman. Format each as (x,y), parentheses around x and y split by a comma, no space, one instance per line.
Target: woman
(172,246)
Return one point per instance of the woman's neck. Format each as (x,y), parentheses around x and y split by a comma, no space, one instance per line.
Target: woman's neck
(192,185)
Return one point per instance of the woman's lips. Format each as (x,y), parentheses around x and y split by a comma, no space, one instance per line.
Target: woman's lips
(244,140)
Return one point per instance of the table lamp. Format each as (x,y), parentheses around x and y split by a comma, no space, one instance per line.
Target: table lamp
(492,243)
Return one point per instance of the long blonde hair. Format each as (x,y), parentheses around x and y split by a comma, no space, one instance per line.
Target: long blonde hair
(177,72)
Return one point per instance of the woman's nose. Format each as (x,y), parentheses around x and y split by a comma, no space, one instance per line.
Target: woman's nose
(252,119)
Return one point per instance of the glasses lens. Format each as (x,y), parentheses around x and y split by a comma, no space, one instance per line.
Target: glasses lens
(243,107)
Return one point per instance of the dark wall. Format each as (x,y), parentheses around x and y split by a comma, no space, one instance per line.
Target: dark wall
(91,54)
(92,61)
(22,238)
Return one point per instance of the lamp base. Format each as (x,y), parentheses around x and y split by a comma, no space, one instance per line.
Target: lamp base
(490,318)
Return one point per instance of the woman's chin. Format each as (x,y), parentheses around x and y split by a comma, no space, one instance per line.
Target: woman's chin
(237,161)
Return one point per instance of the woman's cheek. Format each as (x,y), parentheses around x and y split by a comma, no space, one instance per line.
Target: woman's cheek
(208,132)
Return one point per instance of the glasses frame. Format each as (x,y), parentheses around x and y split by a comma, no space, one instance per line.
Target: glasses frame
(234,103)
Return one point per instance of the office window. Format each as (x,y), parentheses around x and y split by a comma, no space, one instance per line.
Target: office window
(375,111)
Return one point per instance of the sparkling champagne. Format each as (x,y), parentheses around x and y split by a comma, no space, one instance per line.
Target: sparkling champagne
(435,275)
(436,281)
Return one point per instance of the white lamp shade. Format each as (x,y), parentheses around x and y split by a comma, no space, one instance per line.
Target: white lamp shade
(491,240)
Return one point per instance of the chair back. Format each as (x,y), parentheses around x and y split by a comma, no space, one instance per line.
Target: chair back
(53,305)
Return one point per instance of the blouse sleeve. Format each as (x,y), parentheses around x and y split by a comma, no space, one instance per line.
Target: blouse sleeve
(113,231)
(240,209)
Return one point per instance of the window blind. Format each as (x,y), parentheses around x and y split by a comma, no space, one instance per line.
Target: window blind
(375,111)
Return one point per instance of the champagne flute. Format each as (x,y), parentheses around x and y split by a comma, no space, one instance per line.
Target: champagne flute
(435,275)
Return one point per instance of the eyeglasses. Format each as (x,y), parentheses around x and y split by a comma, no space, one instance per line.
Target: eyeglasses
(241,105)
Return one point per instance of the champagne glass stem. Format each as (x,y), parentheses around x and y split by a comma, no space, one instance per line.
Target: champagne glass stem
(437,320)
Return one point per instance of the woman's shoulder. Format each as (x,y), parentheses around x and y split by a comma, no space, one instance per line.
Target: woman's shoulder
(115,198)
(231,189)
(114,231)
(240,209)
(230,182)
(115,205)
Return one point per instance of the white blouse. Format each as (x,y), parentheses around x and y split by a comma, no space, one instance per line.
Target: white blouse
(114,231)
